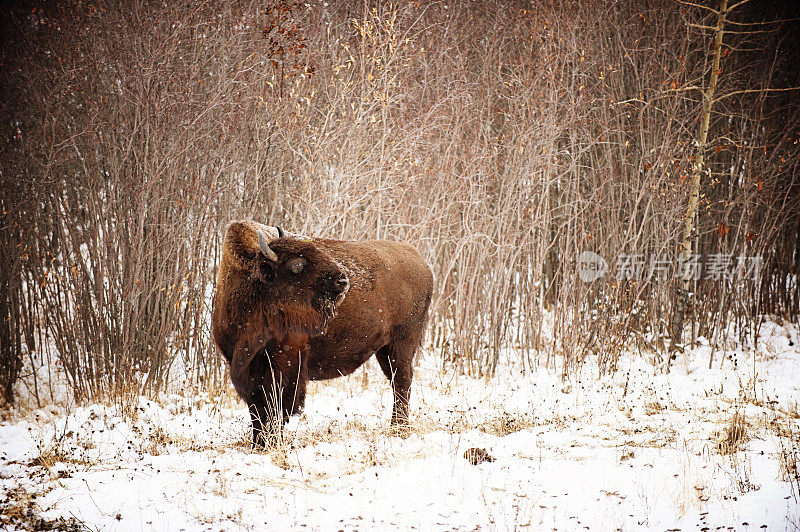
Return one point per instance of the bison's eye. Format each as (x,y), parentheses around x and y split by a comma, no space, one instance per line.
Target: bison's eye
(296,265)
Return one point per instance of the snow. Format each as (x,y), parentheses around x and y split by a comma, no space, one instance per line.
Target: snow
(635,450)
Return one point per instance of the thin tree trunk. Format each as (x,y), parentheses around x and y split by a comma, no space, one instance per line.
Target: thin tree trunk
(694,196)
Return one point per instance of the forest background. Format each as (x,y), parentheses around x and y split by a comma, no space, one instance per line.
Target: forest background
(502,139)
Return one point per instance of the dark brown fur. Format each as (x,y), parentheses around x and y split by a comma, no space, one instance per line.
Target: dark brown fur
(277,330)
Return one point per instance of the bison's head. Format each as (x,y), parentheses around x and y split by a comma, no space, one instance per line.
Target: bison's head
(296,283)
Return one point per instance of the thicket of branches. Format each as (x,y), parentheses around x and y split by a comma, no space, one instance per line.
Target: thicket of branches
(501,138)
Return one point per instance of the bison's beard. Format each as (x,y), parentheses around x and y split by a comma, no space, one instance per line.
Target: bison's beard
(295,321)
(326,308)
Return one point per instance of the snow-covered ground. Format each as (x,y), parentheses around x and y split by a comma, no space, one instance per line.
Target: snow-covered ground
(695,449)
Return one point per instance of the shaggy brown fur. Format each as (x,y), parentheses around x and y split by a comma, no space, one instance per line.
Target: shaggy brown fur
(277,329)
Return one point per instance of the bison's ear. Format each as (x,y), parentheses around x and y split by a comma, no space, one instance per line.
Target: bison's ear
(266,270)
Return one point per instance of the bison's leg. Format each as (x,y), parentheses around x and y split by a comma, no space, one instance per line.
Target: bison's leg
(396,362)
(282,394)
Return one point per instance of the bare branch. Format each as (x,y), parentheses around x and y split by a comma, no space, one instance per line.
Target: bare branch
(749,91)
(766,22)
(631,100)
(735,6)
(754,32)
(701,26)
(737,144)
(688,88)
(684,2)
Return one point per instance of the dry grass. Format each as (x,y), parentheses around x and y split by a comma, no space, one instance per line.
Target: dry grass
(734,436)
(786,428)
(506,424)
(19,510)
(61,447)
(790,461)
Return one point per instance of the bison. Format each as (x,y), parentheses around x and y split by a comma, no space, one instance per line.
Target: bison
(290,309)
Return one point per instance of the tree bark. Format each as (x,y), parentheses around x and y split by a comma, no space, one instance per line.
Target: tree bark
(683,284)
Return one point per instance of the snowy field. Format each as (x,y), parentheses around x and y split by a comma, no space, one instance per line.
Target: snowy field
(698,449)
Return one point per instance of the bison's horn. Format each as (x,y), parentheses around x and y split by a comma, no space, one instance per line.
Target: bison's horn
(280,231)
(262,243)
